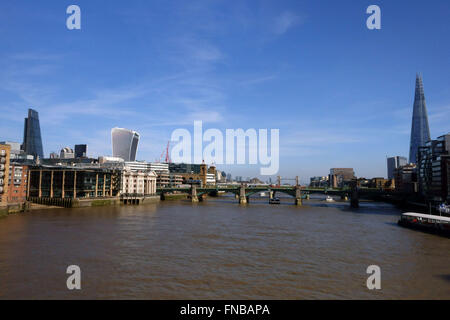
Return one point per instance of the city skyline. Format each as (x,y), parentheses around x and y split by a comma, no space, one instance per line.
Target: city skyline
(341,97)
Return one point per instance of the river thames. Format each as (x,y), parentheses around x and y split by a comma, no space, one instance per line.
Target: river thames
(218,249)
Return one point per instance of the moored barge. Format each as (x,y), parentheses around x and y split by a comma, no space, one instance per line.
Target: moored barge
(426,222)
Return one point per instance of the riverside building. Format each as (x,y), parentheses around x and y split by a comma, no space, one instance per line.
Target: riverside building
(138,182)
(406,178)
(434,169)
(17,183)
(341,177)
(4,172)
(72,182)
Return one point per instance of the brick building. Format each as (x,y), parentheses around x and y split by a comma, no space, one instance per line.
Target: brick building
(17,183)
(5,151)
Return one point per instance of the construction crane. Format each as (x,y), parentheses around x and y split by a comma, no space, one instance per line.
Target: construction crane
(167,157)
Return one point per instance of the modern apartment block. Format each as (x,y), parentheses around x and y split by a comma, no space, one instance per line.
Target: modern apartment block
(4,172)
(32,141)
(434,169)
(17,183)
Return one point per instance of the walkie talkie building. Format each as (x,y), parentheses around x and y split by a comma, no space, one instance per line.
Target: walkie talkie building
(124,143)
(32,141)
(420,131)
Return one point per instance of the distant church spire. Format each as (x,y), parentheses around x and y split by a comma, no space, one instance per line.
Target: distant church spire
(420,131)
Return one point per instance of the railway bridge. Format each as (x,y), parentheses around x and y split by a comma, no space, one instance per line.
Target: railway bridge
(243,192)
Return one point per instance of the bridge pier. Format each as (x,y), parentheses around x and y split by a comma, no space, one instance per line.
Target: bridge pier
(354,198)
(298,196)
(242,196)
(193,194)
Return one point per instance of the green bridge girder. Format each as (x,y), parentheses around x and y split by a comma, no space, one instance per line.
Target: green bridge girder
(362,192)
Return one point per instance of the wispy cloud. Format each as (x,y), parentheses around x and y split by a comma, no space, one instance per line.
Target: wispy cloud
(285,21)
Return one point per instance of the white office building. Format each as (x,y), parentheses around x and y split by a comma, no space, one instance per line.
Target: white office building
(147,166)
(210,178)
(138,182)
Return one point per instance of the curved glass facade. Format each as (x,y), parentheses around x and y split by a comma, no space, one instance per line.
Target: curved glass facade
(124,143)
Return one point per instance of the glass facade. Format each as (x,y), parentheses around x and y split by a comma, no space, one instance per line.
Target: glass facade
(420,131)
(48,183)
(80,150)
(124,143)
(433,169)
(32,141)
(184,168)
(394,163)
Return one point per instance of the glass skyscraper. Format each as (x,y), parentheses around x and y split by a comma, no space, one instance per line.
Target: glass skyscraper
(394,163)
(124,143)
(80,150)
(420,131)
(32,141)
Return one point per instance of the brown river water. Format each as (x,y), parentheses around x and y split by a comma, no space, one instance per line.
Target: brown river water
(218,249)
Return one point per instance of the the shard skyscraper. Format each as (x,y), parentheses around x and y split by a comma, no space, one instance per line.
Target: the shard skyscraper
(420,131)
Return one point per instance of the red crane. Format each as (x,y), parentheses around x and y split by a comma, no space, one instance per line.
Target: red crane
(167,158)
(167,152)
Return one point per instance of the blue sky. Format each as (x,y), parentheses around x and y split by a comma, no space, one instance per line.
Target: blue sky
(340,94)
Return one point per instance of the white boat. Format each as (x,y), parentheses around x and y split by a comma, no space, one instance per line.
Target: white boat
(329,199)
(427,222)
(274,201)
